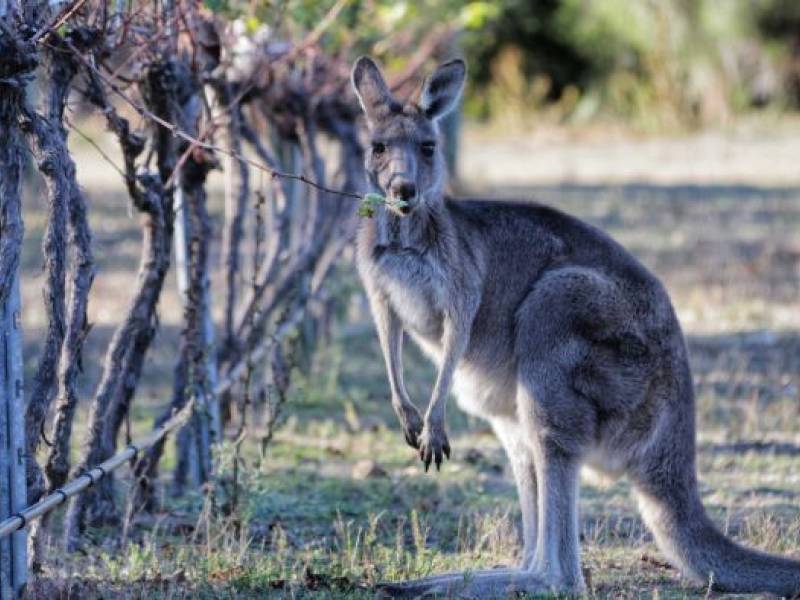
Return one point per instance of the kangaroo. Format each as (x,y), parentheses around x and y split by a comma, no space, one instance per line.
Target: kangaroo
(550,330)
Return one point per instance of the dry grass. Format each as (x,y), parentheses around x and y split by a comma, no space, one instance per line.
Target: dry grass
(318,521)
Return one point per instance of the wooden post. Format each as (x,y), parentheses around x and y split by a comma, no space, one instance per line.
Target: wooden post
(205,427)
(181,243)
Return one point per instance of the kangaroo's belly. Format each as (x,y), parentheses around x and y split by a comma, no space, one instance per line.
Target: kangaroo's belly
(484,393)
(479,390)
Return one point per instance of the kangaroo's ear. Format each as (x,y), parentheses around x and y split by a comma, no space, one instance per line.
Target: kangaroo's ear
(441,91)
(371,89)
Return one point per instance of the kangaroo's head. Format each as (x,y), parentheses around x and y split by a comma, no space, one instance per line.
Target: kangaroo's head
(404,160)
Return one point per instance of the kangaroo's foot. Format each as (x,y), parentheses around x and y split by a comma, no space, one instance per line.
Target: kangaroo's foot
(494,583)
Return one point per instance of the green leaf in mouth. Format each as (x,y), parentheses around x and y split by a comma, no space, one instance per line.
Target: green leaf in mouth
(372,201)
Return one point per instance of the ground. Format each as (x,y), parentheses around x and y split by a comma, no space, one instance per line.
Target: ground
(338,501)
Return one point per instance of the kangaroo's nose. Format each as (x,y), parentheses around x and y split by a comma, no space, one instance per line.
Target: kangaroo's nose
(404,190)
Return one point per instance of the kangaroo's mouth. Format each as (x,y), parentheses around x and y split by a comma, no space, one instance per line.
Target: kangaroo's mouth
(400,207)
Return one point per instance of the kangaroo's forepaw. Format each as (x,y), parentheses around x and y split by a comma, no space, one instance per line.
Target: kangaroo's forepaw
(412,429)
(411,422)
(433,446)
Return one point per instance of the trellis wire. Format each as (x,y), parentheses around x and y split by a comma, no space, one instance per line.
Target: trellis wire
(19,520)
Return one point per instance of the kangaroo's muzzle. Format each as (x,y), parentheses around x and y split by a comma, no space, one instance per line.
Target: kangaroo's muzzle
(405,191)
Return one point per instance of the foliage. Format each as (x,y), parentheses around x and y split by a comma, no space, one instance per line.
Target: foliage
(372,201)
(658,65)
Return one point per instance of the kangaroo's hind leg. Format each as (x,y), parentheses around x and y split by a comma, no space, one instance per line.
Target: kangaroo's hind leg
(557,456)
(559,421)
(520,455)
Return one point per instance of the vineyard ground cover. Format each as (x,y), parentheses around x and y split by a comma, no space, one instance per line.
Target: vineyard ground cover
(339,501)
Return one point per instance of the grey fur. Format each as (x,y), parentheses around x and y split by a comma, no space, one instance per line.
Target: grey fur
(555,334)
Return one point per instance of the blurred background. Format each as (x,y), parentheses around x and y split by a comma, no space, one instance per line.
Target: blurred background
(656,67)
(721,75)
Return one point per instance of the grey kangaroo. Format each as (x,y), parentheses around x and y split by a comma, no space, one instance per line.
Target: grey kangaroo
(550,330)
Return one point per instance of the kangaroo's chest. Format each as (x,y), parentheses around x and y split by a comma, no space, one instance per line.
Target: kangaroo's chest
(416,291)
(417,316)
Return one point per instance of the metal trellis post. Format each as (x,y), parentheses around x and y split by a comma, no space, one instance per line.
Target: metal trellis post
(13,493)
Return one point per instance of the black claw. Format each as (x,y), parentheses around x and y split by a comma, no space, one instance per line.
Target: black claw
(446,449)
(427,465)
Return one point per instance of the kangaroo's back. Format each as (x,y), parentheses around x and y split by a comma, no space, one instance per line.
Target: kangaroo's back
(518,242)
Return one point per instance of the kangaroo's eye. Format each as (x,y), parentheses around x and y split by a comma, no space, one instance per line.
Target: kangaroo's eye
(428,148)
(378,148)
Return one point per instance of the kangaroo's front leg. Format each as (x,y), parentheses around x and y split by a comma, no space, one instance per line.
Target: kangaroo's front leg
(390,334)
(433,441)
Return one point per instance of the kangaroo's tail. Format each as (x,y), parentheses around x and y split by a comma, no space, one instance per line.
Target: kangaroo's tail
(692,543)
(665,481)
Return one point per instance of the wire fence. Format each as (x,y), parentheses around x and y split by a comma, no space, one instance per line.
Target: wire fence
(22,518)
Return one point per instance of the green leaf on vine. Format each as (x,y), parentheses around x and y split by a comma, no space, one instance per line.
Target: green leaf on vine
(369,203)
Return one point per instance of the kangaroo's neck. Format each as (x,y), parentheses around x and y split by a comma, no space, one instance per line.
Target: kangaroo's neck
(428,227)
